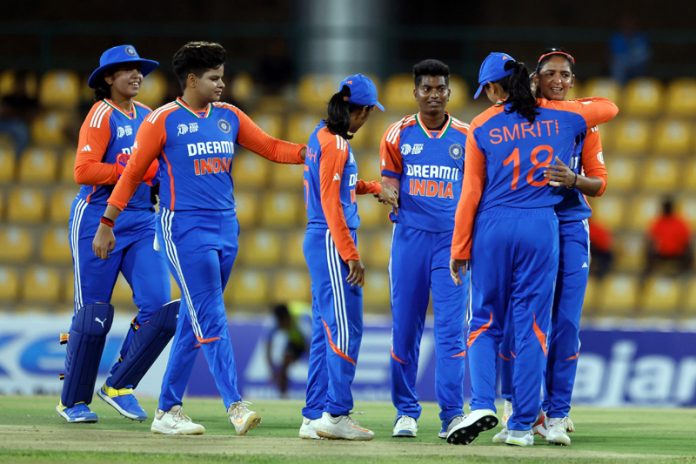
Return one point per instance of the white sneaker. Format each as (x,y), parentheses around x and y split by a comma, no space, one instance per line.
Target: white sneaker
(558,431)
(175,422)
(308,429)
(501,436)
(540,427)
(507,412)
(405,426)
(242,417)
(520,438)
(342,427)
(469,428)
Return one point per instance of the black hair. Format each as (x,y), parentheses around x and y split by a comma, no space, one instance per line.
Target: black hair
(430,67)
(550,53)
(519,91)
(102,90)
(338,113)
(667,206)
(281,311)
(197,58)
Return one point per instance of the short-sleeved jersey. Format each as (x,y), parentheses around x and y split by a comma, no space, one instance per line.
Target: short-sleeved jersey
(195,150)
(429,166)
(109,130)
(589,160)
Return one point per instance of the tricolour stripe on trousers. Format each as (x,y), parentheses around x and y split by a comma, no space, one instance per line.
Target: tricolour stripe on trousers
(75,238)
(340,315)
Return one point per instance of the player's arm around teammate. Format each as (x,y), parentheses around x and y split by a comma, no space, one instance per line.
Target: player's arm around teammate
(423,155)
(336,271)
(106,139)
(194,138)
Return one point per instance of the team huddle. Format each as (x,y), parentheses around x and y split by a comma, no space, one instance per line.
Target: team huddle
(489,220)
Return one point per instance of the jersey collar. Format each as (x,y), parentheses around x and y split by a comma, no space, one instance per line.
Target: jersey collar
(428,132)
(115,107)
(183,105)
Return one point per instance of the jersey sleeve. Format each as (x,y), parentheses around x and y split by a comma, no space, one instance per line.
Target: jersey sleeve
(148,146)
(594,110)
(91,147)
(364,187)
(593,159)
(255,139)
(389,152)
(472,189)
(331,164)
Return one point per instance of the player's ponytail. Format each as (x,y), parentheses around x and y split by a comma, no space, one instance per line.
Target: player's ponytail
(338,113)
(520,97)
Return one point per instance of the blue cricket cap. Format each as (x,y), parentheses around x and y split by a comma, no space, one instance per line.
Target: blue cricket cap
(120,54)
(492,70)
(362,90)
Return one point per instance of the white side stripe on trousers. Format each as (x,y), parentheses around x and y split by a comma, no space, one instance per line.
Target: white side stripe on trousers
(166,221)
(75,239)
(334,264)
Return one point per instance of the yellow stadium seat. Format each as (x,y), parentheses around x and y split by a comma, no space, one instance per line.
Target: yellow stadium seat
(7,161)
(67,167)
(376,250)
(690,297)
(672,138)
(602,87)
(68,290)
(630,252)
(38,166)
(632,136)
(273,124)
(9,284)
(459,96)
(289,285)
(642,97)
(376,290)
(60,88)
(315,90)
(60,202)
(687,209)
(247,287)
(123,294)
(301,126)
(2,205)
(590,303)
(642,210)
(618,295)
(55,246)
(689,177)
(398,93)
(246,205)
(41,285)
(153,90)
(372,213)
(281,209)
(241,87)
(26,205)
(623,173)
(660,175)
(681,97)
(250,170)
(288,176)
(369,166)
(293,254)
(260,248)
(8,82)
(660,296)
(16,244)
(49,128)
(608,210)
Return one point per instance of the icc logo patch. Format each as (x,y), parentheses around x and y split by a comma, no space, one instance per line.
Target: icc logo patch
(224,126)
(181,129)
(456,151)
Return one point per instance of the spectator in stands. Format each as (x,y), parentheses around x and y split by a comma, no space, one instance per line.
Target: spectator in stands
(630,51)
(669,240)
(287,341)
(17,109)
(601,244)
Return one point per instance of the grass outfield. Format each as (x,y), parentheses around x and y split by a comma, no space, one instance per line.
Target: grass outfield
(31,431)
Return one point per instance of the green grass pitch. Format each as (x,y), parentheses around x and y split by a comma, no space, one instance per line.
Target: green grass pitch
(31,431)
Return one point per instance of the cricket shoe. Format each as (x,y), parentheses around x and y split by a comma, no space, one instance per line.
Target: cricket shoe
(308,429)
(79,413)
(123,401)
(243,418)
(468,429)
(342,428)
(557,429)
(501,436)
(175,422)
(520,438)
(450,425)
(540,427)
(405,426)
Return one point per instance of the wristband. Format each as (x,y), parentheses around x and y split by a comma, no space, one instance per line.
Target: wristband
(107,222)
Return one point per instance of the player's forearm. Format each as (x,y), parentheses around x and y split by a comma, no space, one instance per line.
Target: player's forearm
(591,186)
(279,151)
(95,173)
(111,212)
(364,187)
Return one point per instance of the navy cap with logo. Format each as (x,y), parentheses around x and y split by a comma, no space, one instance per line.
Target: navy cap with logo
(362,90)
(493,69)
(121,54)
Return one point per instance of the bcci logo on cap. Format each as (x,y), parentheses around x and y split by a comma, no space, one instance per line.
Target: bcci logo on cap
(456,151)
(224,126)
(130,51)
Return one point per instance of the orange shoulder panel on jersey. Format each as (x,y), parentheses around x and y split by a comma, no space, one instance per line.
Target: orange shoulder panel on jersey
(391,162)
(148,146)
(334,154)
(255,139)
(594,110)
(472,189)
(142,105)
(593,159)
(95,134)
